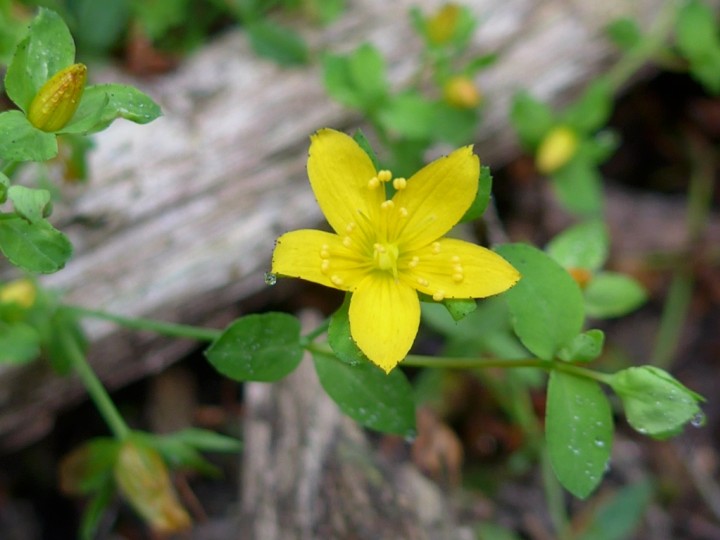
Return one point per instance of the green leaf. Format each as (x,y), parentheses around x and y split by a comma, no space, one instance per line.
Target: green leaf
(459,308)
(104,103)
(160,16)
(95,510)
(98,26)
(584,347)
(609,294)
(279,43)
(493,531)
(531,118)
(206,440)
(19,343)
(361,139)
(584,245)
(4,187)
(453,125)
(696,30)
(264,347)
(625,33)
(47,48)
(86,468)
(357,80)
(409,115)
(578,186)
(546,305)
(655,403)
(706,70)
(367,395)
(592,109)
(21,141)
(340,339)
(63,326)
(31,204)
(579,429)
(617,516)
(35,247)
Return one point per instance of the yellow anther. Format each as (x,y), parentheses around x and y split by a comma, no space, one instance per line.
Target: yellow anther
(350,227)
(325,266)
(458,268)
(436,247)
(384,175)
(423,282)
(325,252)
(379,248)
(439,296)
(399,183)
(387,205)
(347,241)
(337,280)
(458,277)
(373,182)
(455,259)
(414,262)
(403,212)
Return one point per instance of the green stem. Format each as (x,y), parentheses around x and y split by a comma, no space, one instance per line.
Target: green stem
(652,45)
(308,338)
(137,323)
(95,389)
(9,168)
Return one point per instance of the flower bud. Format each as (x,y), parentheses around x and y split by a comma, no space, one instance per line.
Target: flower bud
(556,149)
(462,93)
(144,481)
(21,292)
(582,276)
(442,25)
(56,102)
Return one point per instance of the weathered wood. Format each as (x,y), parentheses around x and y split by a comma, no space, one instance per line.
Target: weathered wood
(179,219)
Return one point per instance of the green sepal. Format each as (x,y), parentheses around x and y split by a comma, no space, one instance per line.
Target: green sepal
(339,337)
(482,199)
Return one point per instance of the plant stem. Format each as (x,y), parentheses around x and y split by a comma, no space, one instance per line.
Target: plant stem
(138,323)
(95,388)
(310,336)
(652,45)
(9,168)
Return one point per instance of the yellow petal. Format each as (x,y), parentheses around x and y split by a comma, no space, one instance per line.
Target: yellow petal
(384,319)
(319,257)
(339,172)
(436,197)
(452,268)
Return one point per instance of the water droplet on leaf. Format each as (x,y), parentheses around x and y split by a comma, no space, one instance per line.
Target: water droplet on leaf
(270,278)
(698,420)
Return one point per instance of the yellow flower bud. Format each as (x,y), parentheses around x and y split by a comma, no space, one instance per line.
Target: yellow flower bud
(462,93)
(56,102)
(582,276)
(442,25)
(556,149)
(21,292)
(144,481)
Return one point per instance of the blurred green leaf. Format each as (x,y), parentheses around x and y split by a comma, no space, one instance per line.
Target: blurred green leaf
(482,199)
(357,80)
(21,141)
(276,42)
(206,440)
(29,203)
(409,115)
(531,118)
(95,510)
(625,33)
(35,247)
(87,467)
(578,186)
(655,403)
(379,401)
(696,30)
(584,245)
(453,125)
(262,347)
(493,531)
(47,48)
(546,304)
(592,109)
(4,187)
(585,347)
(157,17)
(618,515)
(98,26)
(19,343)
(63,326)
(609,294)
(579,430)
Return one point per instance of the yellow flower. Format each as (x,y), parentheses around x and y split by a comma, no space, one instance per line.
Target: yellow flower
(556,149)
(442,25)
(57,101)
(21,292)
(462,93)
(386,250)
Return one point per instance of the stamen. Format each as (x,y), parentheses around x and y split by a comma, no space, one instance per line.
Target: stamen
(347,241)
(455,259)
(458,277)
(436,247)
(423,282)
(414,261)
(325,251)
(458,268)
(337,280)
(373,183)
(379,248)
(399,183)
(387,205)
(325,266)
(384,175)
(439,296)
(403,212)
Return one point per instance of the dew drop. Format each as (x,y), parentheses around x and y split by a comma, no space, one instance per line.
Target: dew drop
(410,436)
(698,420)
(599,443)
(270,278)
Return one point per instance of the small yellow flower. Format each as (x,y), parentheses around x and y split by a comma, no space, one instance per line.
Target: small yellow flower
(441,26)
(21,292)
(56,102)
(461,92)
(385,250)
(556,149)
(144,481)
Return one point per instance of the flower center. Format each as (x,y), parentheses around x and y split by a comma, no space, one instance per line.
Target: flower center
(385,256)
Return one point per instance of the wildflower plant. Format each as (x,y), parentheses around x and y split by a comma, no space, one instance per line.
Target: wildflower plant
(392,250)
